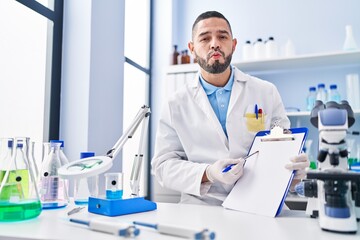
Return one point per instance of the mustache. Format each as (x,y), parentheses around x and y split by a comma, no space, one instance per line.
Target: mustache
(210,54)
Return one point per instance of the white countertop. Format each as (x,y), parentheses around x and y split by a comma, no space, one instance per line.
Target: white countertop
(227,224)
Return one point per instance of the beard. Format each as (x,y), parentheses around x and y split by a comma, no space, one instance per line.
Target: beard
(216,67)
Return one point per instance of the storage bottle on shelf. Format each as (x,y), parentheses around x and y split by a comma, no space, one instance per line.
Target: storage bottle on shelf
(247,51)
(334,94)
(259,49)
(271,49)
(321,93)
(350,43)
(175,55)
(311,98)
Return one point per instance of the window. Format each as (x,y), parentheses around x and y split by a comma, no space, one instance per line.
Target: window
(30,58)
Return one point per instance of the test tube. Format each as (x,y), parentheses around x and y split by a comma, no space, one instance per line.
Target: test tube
(114,185)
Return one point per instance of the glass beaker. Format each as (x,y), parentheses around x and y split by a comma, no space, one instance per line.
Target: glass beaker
(86,187)
(353,155)
(53,190)
(19,199)
(309,150)
(114,185)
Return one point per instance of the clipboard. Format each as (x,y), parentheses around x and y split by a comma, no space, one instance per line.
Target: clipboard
(264,185)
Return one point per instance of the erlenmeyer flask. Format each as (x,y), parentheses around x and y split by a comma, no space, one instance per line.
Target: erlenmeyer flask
(32,159)
(45,151)
(52,187)
(5,152)
(19,199)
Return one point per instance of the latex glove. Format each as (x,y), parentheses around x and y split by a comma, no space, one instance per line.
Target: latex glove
(214,172)
(299,163)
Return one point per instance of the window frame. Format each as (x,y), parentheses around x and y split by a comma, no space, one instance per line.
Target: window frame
(54,63)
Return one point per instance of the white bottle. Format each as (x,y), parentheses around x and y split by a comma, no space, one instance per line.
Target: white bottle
(349,43)
(271,48)
(247,51)
(321,93)
(289,49)
(259,49)
(334,94)
(311,98)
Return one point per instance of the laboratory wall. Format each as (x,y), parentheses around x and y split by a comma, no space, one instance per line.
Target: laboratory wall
(92,77)
(314,27)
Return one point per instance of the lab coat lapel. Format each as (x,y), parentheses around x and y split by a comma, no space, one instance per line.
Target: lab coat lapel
(202,100)
(239,80)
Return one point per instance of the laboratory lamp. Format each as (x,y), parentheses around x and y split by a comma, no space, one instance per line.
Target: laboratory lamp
(92,166)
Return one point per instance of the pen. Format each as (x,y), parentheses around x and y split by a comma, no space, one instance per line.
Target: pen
(179,231)
(116,228)
(260,111)
(256,111)
(230,166)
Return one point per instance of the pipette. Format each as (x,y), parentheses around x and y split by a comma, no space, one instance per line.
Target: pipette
(116,228)
(180,231)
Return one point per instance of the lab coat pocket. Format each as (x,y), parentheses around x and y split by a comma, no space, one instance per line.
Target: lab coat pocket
(255,123)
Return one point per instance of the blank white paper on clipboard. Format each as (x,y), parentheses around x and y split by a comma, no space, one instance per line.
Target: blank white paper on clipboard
(263,187)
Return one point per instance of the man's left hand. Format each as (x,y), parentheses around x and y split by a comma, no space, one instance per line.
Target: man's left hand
(298,163)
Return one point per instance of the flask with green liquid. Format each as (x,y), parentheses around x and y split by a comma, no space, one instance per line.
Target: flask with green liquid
(19,199)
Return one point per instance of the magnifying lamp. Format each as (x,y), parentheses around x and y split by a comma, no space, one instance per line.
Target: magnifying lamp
(92,166)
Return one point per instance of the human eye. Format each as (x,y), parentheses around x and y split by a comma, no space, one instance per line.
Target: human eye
(223,37)
(204,39)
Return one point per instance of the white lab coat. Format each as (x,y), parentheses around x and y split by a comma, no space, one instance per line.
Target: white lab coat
(190,137)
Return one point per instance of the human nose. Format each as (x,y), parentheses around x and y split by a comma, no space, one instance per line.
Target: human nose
(215,44)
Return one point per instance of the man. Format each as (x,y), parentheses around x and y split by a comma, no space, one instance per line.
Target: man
(205,126)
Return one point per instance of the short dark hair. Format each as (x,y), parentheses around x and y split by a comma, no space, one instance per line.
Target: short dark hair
(209,14)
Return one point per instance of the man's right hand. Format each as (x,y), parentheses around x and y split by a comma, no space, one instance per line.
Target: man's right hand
(214,172)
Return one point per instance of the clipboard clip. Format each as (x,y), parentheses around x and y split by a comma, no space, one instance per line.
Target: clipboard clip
(277,134)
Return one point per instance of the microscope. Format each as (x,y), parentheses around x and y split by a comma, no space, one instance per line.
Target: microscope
(333,191)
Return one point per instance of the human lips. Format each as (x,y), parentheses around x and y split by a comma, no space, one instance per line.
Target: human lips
(216,55)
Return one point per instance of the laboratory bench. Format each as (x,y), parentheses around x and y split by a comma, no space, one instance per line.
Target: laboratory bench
(227,224)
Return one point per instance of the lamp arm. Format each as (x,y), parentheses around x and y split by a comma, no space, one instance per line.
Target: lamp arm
(142,113)
(136,168)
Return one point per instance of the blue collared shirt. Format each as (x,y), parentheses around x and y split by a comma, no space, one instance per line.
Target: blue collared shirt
(219,98)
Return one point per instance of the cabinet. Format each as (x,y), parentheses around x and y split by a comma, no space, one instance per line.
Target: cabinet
(325,67)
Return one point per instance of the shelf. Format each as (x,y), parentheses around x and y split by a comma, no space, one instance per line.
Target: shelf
(285,64)
(307,113)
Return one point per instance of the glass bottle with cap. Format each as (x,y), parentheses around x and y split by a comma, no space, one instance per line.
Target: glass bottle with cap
(334,94)
(19,198)
(311,98)
(321,93)
(85,187)
(63,159)
(53,189)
